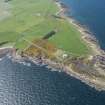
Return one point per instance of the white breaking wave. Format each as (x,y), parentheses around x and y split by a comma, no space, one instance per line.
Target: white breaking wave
(19,61)
(25,63)
(1,59)
(53,69)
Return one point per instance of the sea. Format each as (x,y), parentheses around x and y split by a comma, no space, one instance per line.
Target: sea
(26,83)
(91,14)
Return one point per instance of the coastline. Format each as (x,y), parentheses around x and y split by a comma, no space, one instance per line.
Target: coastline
(53,66)
(85,36)
(91,41)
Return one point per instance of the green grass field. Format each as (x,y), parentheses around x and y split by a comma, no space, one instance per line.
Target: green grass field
(32,19)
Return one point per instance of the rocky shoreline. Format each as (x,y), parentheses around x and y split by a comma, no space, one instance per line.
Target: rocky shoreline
(92,43)
(97,84)
(86,35)
(96,80)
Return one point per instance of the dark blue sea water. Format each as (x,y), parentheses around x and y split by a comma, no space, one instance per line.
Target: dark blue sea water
(90,13)
(34,85)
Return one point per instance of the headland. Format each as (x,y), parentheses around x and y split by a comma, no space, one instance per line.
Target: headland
(54,39)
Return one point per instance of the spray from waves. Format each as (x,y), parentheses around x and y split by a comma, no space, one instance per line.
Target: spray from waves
(53,69)
(25,63)
(1,59)
(20,61)
(28,63)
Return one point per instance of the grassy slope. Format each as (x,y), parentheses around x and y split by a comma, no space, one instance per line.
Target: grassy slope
(25,22)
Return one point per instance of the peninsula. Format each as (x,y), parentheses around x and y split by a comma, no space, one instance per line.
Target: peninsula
(40,31)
